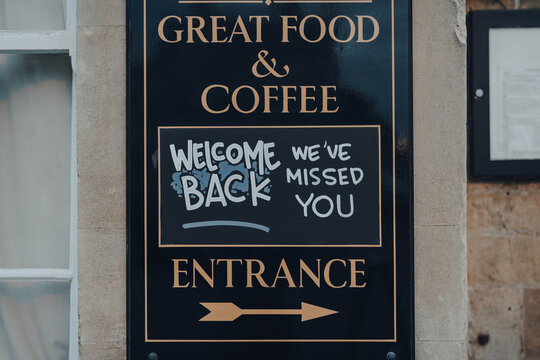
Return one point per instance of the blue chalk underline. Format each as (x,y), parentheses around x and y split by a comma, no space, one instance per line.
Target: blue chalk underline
(226,223)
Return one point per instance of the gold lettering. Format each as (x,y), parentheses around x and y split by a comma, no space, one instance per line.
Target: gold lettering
(204,100)
(229,263)
(286,274)
(325,99)
(354,272)
(268,97)
(327,269)
(376,28)
(305,269)
(216,28)
(162,25)
(197,29)
(286,98)
(255,99)
(258,25)
(177,272)
(198,269)
(258,275)
(331,29)
(254,269)
(304,98)
(285,27)
(322,26)
(243,31)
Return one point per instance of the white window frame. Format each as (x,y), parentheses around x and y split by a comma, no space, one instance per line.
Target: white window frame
(52,42)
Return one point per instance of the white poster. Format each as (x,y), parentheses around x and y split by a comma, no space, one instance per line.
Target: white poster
(514,93)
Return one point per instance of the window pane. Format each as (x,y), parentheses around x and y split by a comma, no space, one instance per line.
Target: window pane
(35,121)
(32,15)
(34,320)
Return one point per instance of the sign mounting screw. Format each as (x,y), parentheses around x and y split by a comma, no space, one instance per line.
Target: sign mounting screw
(391,356)
(479,93)
(152,356)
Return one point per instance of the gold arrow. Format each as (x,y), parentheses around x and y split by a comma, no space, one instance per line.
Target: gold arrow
(227,311)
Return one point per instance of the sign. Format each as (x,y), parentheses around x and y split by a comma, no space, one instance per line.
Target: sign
(505,93)
(325,178)
(269,179)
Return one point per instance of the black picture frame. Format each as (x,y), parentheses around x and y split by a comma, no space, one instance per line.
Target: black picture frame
(479,106)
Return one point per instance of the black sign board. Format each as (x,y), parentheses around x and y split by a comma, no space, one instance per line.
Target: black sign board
(269,179)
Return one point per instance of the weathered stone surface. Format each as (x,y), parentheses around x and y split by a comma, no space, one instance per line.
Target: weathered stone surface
(101,180)
(529,4)
(496,315)
(439,61)
(102,293)
(509,260)
(532,324)
(440,350)
(440,284)
(495,307)
(504,344)
(503,246)
(101,126)
(504,211)
(110,350)
(101,12)
(490,4)
(439,123)
(517,187)
(504,227)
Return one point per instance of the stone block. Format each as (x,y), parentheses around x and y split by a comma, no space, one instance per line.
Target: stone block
(112,351)
(529,4)
(440,350)
(531,326)
(503,260)
(440,283)
(495,307)
(439,56)
(495,319)
(101,120)
(512,187)
(101,12)
(503,212)
(503,344)
(435,196)
(490,4)
(440,119)
(102,290)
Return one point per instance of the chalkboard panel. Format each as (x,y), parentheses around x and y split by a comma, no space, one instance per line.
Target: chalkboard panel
(269,179)
(232,185)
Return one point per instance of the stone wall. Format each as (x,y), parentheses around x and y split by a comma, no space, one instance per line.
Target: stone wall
(101,169)
(440,143)
(503,228)
(502,4)
(504,270)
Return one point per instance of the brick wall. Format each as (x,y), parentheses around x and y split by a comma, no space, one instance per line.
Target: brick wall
(504,270)
(502,4)
(503,227)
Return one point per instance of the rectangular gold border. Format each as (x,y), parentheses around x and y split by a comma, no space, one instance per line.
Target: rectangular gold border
(274,1)
(378,127)
(146,210)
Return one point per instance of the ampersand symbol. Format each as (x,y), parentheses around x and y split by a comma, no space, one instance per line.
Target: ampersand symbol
(270,67)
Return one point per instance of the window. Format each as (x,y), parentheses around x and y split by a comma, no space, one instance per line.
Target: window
(38,187)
